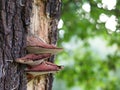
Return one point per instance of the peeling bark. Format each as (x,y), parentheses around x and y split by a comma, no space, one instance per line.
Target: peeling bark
(44,21)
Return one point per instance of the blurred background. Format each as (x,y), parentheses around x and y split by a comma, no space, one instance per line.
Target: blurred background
(89,32)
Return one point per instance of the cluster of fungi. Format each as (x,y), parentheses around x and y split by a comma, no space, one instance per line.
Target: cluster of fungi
(36,59)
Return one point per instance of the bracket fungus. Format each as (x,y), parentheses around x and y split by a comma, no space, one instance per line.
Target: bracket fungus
(33,59)
(43,68)
(36,45)
(38,52)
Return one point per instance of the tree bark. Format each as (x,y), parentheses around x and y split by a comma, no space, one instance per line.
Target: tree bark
(17,19)
(14,19)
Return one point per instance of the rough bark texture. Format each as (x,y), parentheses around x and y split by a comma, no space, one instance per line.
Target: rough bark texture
(14,19)
(17,18)
(53,7)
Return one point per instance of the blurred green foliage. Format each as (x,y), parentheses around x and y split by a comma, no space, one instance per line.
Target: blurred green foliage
(90,63)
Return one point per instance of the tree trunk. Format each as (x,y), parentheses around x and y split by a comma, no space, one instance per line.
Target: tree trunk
(17,19)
